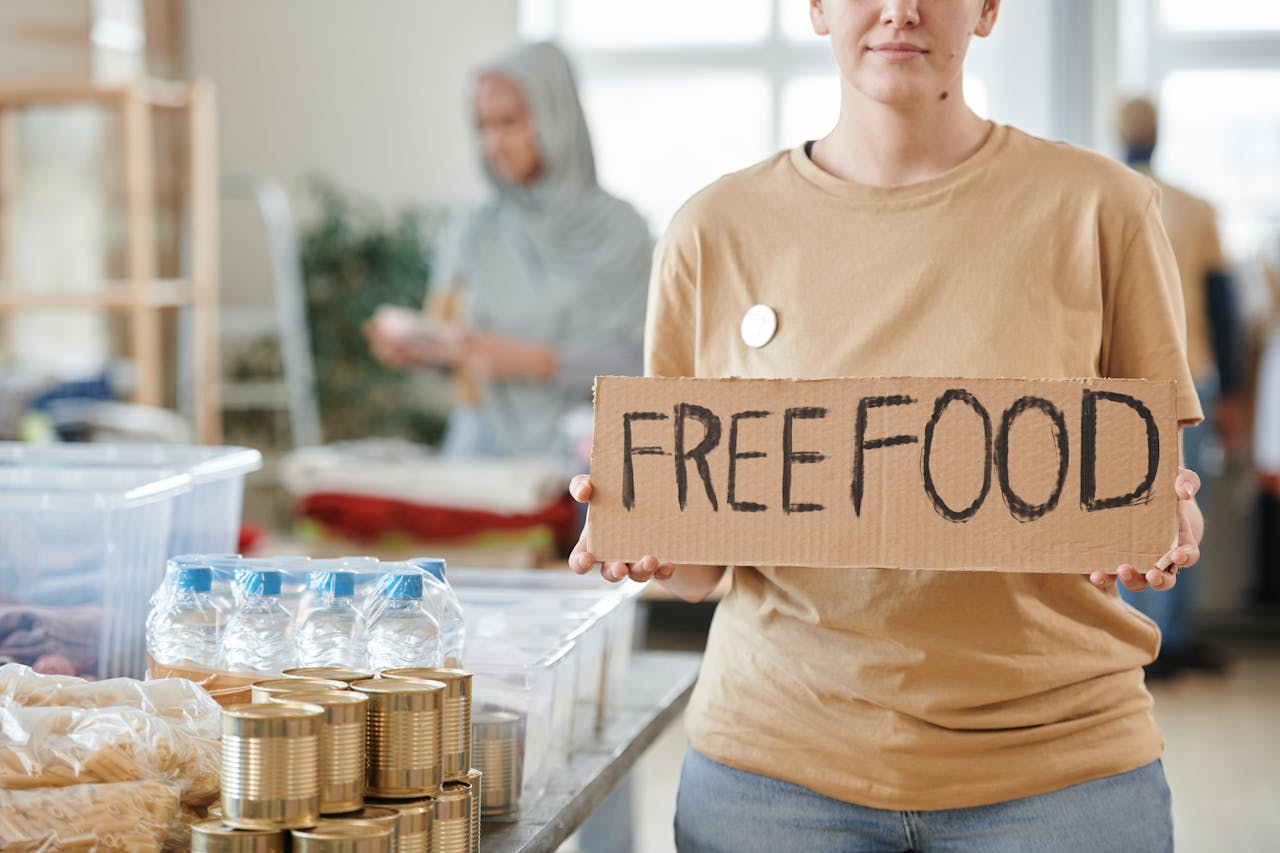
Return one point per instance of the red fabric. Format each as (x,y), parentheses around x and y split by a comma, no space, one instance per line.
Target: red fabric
(366,518)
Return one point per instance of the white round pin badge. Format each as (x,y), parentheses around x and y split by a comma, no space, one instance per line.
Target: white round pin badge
(759,325)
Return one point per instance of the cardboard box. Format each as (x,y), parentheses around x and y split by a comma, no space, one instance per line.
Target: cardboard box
(920,473)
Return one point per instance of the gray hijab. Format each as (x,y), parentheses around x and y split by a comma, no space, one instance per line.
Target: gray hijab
(559,261)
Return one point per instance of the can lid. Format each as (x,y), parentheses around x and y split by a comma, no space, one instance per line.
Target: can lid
(340,706)
(375,813)
(194,579)
(422,805)
(398,685)
(277,719)
(213,836)
(457,681)
(495,724)
(274,686)
(345,828)
(332,673)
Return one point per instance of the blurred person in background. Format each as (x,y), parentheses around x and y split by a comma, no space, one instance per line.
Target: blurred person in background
(538,289)
(1266,443)
(1213,351)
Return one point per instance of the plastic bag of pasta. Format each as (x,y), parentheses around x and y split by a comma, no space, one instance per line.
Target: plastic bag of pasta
(122,817)
(55,746)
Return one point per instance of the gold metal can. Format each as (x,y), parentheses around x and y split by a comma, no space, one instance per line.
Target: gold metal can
(262,691)
(405,735)
(342,745)
(496,743)
(457,714)
(271,765)
(451,831)
(473,781)
(343,836)
(379,816)
(213,836)
(331,673)
(214,810)
(414,833)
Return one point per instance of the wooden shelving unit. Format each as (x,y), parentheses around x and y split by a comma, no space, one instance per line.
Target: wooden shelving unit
(141,296)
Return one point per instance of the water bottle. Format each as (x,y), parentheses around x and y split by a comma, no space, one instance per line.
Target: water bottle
(401,631)
(444,605)
(184,629)
(333,633)
(257,636)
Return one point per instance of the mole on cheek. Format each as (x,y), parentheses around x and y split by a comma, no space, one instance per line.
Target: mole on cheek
(943,96)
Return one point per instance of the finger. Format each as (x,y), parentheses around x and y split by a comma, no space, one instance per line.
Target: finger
(581,560)
(664,571)
(643,569)
(1161,580)
(613,572)
(1187,483)
(580,488)
(1185,555)
(1102,579)
(1131,578)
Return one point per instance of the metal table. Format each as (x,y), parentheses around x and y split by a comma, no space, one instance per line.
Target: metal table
(658,687)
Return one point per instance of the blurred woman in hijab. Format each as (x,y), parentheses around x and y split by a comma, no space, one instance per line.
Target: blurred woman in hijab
(547,279)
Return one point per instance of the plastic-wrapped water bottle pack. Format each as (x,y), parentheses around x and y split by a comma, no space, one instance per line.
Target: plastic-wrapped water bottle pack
(242,615)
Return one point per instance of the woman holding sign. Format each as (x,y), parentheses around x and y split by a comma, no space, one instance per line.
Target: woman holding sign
(878,709)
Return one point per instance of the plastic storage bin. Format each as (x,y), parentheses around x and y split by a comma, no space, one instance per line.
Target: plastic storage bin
(80,552)
(599,617)
(205,520)
(536,686)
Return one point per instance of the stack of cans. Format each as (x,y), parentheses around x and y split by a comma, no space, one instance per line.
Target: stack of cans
(329,760)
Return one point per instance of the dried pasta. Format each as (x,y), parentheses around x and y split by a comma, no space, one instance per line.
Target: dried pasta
(122,817)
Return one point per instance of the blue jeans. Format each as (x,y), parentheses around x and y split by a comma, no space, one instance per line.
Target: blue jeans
(719,808)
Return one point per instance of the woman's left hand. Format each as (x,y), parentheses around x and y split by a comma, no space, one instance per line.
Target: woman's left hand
(497,357)
(1184,554)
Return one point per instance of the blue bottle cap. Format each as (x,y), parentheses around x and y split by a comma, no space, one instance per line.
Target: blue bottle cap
(433,566)
(260,582)
(340,584)
(194,579)
(403,587)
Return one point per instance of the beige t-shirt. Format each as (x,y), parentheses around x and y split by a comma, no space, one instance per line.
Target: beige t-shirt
(1193,232)
(916,689)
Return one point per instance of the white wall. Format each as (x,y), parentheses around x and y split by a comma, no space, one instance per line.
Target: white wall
(368,94)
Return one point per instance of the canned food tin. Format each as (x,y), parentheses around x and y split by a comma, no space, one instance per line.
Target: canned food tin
(262,691)
(451,830)
(343,836)
(495,736)
(271,765)
(473,781)
(330,673)
(405,732)
(212,836)
(415,822)
(342,746)
(457,714)
(379,816)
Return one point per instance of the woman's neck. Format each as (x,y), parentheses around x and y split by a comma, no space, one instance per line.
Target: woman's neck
(885,146)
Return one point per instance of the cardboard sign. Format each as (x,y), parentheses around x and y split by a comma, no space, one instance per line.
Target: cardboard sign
(979,474)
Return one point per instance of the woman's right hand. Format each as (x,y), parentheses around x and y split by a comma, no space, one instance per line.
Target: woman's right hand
(582,560)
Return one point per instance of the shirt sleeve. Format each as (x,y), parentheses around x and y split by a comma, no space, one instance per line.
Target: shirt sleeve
(670,332)
(1146,334)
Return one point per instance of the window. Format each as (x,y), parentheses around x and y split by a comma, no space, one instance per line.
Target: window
(1214,70)
(1221,15)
